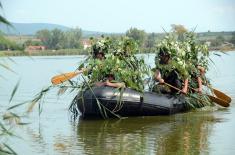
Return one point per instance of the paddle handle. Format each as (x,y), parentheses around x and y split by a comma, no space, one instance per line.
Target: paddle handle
(172,86)
(217,100)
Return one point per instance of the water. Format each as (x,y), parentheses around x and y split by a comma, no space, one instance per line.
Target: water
(207,131)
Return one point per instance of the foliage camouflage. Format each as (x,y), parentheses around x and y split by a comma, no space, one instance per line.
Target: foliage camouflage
(119,61)
(186,54)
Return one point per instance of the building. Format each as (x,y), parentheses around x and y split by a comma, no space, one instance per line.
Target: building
(35,48)
(86,43)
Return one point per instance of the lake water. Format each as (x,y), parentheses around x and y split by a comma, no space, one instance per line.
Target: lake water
(206,131)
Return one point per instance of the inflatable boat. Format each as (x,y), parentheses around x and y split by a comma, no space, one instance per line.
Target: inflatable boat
(97,101)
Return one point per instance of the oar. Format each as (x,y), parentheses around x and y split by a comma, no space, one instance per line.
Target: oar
(172,86)
(219,94)
(218,101)
(64,77)
(212,98)
(222,95)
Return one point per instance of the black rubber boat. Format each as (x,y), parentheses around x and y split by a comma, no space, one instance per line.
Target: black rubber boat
(133,103)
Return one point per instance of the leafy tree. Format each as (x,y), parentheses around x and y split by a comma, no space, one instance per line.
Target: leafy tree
(233,39)
(32,42)
(219,40)
(138,35)
(45,37)
(180,30)
(73,38)
(57,38)
(150,41)
(6,44)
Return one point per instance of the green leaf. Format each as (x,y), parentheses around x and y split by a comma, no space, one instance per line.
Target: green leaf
(17,105)
(11,60)
(62,90)
(4,151)
(7,68)
(9,148)
(14,91)
(30,108)
(10,115)
(21,123)
(4,21)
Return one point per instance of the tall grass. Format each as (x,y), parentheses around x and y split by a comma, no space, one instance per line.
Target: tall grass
(45,52)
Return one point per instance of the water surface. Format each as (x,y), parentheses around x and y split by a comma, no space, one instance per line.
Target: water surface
(206,131)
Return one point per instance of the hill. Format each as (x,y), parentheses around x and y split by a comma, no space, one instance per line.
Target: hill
(32,28)
(29,28)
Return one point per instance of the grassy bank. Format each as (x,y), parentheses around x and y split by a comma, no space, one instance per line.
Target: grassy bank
(44,52)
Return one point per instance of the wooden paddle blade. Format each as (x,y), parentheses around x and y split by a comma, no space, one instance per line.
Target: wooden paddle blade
(63,77)
(219,101)
(222,96)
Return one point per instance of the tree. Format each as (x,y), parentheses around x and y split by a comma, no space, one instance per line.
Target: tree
(73,38)
(137,35)
(150,41)
(6,44)
(219,40)
(57,39)
(45,37)
(233,39)
(30,42)
(51,39)
(180,30)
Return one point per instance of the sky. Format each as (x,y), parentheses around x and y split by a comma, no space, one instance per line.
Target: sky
(119,15)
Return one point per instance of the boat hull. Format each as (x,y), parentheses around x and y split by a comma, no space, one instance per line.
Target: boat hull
(127,103)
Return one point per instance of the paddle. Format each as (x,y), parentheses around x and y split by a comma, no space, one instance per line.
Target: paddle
(64,77)
(219,101)
(221,95)
(218,93)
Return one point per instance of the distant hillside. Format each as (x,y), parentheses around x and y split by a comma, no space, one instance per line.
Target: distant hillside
(32,28)
(29,28)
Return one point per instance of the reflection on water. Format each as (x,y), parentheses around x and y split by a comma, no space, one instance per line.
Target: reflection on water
(179,134)
(207,131)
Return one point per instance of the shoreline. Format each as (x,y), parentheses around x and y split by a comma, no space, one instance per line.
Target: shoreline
(67,52)
(62,52)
